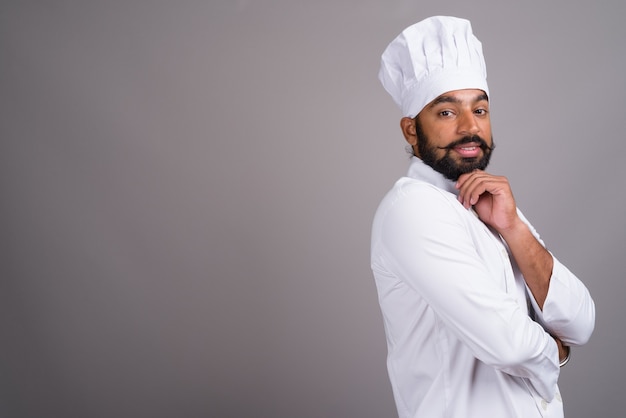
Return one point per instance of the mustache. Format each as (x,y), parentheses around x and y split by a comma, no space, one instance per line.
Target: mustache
(470,139)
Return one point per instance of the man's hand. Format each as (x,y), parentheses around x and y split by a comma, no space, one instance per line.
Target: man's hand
(491,197)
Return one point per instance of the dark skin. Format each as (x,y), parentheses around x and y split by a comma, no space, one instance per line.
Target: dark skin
(466,112)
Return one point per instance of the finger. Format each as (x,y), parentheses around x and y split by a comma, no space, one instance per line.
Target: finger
(472,186)
(478,184)
(467,176)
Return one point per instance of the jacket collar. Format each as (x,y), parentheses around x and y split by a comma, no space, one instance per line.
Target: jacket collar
(420,171)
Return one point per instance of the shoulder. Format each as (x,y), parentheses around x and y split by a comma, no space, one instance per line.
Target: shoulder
(417,208)
(418,197)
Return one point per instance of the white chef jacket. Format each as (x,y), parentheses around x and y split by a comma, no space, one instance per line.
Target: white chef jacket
(457,312)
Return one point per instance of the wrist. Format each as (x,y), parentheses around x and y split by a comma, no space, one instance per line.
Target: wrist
(564,361)
(514,229)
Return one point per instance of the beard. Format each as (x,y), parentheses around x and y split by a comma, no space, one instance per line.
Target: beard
(450,167)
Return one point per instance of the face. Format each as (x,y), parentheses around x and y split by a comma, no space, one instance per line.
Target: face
(452,134)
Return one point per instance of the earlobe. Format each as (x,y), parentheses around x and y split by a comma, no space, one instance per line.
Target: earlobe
(408,130)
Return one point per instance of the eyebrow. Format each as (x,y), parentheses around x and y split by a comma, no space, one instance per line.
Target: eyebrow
(450,99)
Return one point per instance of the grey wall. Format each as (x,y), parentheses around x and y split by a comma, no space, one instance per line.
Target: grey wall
(187,190)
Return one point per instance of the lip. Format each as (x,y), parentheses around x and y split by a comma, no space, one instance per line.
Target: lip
(469,150)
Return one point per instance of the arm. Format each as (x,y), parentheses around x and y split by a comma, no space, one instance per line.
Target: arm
(533,260)
(493,201)
(562,302)
(431,248)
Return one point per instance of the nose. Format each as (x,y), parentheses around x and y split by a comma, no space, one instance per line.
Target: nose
(468,125)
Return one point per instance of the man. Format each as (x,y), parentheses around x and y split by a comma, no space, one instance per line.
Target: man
(478,315)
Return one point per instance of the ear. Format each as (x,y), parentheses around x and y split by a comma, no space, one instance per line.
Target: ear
(408,130)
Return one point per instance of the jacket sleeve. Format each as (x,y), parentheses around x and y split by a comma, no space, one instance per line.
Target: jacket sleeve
(430,247)
(568,311)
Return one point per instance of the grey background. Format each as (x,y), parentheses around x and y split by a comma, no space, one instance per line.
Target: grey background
(187,192)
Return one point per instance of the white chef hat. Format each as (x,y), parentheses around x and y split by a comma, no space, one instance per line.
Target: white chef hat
(432,57)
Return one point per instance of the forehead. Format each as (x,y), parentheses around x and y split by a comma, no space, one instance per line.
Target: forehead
(466,96)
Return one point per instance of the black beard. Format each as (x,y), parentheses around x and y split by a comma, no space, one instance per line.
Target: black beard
(447,165)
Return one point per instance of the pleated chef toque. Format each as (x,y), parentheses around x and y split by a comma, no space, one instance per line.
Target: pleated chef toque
(432,57)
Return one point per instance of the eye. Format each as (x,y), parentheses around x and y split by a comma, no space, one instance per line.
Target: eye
(445,113)
(480,112)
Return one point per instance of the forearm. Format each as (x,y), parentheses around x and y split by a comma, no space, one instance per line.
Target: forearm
(536,264)
(533,260)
